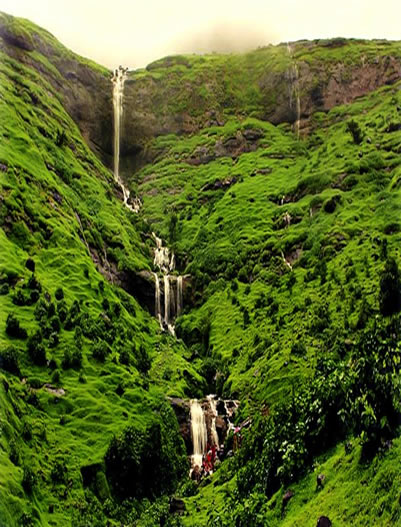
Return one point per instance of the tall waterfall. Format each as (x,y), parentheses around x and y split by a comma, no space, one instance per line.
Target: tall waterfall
(294,91)
(198,432)
(164,263)
(118,80)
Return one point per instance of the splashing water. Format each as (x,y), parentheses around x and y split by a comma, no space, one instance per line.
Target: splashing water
(179,295)
(158,312)
(213,431)
(198,432)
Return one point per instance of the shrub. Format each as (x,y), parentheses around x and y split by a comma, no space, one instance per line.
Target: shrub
(13,328)
(147,463)
(30,264)
(390,290)
(4,289)
(100,351)
(9,360)
(59,471)
(28,479)
(142,360)
(59,294)
(354,129)
(56,377)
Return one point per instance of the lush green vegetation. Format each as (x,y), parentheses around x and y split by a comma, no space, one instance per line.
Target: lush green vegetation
(292,247)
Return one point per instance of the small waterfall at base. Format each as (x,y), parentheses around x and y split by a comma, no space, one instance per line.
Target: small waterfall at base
(118,80)
(198,433)
(158,313)
(213,431)
(179,295)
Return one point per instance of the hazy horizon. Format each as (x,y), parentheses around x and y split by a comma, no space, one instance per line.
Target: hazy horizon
(120,33)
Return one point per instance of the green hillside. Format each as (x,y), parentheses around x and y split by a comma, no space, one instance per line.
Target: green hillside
(275,178)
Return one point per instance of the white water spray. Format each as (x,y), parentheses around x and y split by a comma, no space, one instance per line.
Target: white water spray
(179,295)
(198,432)
(158,312)
(213,431)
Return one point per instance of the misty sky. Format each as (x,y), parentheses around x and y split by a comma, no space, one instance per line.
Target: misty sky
(136,32)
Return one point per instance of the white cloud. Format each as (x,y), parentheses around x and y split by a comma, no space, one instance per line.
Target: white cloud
(134,33)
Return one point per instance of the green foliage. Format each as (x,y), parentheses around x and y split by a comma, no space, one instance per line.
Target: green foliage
(390,288)
(9,360)
(147,462)
(14,329)
(355,130)
(360,395)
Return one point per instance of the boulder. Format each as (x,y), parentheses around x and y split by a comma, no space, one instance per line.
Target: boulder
(323,521)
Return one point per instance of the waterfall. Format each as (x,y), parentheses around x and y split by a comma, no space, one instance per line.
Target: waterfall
(198,432)
(179,295)
(164,262)
(213,431)
(158,313)
(118,80)
(294,91)
(166,279)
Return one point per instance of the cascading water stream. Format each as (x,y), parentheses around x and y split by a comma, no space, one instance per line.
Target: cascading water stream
(295,91)
(118,80)
(198,433)
(158,311)
(179,295)
(213,431)
(164,262)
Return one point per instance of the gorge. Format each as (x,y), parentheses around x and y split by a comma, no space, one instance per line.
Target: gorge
(210,224)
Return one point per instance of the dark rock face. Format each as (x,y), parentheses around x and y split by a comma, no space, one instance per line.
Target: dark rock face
(149,102)
(181,409)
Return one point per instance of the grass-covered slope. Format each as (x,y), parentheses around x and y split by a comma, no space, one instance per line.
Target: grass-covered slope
(287,240)
(79,356)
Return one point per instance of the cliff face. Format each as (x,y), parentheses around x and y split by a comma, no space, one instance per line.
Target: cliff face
(282,84)
(184,94)
(84,86)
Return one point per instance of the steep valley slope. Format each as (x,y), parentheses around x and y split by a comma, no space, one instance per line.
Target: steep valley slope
(275,178)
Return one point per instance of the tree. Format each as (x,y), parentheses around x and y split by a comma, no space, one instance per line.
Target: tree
(354,129)
(390,294)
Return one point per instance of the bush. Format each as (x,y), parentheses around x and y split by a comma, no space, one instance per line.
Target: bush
(147,463)
(36,350)
(59,294)
(13,328)
(390,290)
(56,377)
(100,351)
(30,264)
(28,479)
(359,396)
(9,360)
(4,289)
(354,129)
(59,471)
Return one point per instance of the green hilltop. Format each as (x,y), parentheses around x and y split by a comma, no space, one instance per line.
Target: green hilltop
(275,178)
